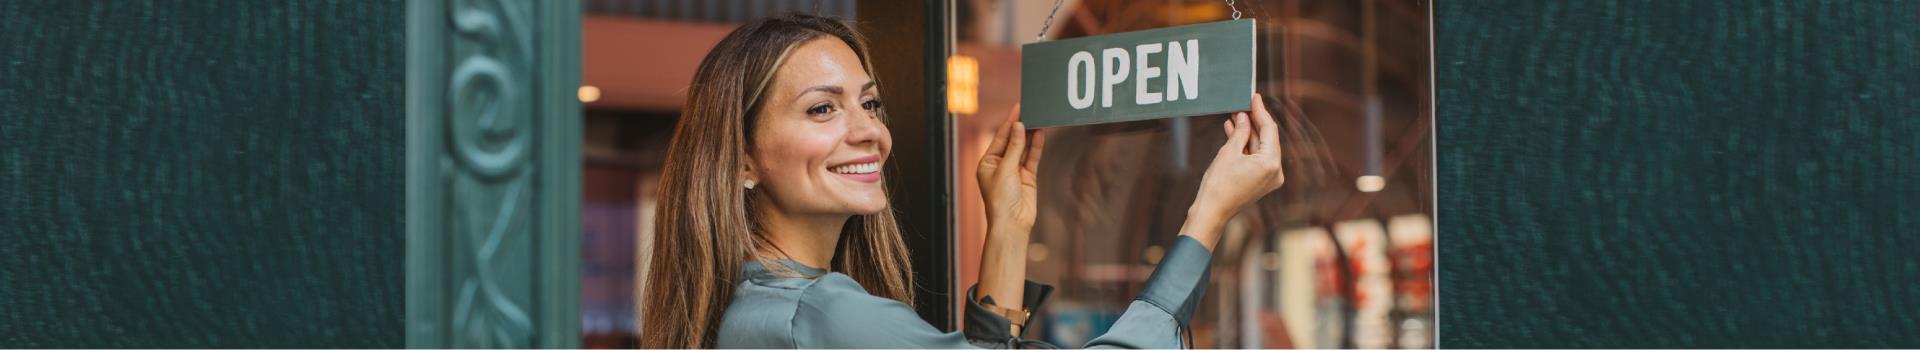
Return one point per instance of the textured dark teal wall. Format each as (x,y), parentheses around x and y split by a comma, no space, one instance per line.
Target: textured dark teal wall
(201,173)
(1657,173)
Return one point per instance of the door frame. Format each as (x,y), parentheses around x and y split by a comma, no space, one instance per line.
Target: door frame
(493,173)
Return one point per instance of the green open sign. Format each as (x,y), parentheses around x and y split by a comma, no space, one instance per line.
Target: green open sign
(1162,73)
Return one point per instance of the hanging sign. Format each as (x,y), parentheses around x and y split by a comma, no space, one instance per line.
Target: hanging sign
(1181,71)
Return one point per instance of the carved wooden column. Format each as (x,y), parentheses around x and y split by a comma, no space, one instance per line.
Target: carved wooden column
(493,162)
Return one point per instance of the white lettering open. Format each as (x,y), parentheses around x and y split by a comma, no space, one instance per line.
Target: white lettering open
(1115,65)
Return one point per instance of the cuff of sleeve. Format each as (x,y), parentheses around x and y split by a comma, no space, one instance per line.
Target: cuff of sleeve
(1181,279)
(986,325)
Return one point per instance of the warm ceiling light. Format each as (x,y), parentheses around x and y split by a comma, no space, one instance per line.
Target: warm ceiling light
(589,93)
(1371,183)
(963,84)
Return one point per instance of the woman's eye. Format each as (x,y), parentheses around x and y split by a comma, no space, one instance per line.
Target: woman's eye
(820,109)
(871,105)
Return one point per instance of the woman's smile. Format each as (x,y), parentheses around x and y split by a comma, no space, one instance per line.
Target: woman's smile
(863,169)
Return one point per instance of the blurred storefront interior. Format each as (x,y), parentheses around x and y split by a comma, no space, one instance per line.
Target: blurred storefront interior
(1341,257)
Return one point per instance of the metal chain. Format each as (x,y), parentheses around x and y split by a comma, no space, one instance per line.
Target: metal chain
(1049,24)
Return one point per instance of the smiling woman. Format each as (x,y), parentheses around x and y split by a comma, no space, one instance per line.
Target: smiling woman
(816,146)
(757,152)
(775,229)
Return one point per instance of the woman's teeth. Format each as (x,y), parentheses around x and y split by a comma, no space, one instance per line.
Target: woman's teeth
(862,168)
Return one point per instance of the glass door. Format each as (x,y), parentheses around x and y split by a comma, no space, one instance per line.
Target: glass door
(1340,257)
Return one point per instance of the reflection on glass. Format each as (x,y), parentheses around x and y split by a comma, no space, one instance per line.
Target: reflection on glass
(1341,257)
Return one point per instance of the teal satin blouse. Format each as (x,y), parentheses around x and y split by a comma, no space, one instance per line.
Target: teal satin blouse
(830,310)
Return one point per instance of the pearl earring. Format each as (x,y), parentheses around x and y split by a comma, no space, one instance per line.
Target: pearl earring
(749,184)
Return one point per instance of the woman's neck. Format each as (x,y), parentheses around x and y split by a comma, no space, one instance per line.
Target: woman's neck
(807,239)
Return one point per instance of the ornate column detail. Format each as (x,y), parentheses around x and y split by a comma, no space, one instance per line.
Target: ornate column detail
(492,174)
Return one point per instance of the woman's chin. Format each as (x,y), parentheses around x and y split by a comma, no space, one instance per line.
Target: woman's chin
(870,209)
(866,202)
(867,207)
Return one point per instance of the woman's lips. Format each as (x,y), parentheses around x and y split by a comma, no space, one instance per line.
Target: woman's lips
(864,169)
(867,177)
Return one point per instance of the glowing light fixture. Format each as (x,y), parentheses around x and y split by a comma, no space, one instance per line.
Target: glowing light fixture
(589,93)
(963,84)
(1371,183)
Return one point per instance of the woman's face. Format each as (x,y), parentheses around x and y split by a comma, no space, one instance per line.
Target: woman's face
(819,142)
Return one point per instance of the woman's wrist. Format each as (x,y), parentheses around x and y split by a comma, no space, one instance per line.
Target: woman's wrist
(1003,265)
(1009,244)
(1204,225)
(1005,228)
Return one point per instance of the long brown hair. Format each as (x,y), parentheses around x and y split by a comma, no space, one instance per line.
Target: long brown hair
(706,228)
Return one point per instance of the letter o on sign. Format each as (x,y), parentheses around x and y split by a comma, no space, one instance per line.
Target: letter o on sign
(1080,80)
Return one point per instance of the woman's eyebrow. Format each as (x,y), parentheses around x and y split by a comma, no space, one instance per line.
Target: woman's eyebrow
(832,89)
(824,88)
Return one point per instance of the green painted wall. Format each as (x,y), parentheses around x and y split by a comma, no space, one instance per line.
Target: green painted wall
(201,173)
(1653,173)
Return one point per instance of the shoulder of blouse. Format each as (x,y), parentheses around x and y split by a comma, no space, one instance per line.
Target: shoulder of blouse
(760,315)
(835,312)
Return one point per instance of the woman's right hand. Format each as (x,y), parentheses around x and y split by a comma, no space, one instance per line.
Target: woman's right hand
(1247,168)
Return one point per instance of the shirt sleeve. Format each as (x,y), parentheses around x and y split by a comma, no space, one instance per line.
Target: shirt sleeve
(987,327)
(1161,314)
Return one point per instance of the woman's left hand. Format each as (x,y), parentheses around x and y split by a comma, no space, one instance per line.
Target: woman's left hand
(1007,176)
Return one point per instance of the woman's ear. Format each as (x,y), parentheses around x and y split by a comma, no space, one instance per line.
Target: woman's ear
(748,178)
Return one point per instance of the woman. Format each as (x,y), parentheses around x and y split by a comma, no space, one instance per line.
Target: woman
(774,228)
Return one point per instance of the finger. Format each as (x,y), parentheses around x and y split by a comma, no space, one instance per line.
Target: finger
(1227,127)
(999,143)
(1016,148)
(991,159)
(1269,130)
(1035,146)
(1237,141)
(1253,133)
(990,162)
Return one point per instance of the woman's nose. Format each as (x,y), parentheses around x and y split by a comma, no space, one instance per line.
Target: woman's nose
(866,129)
